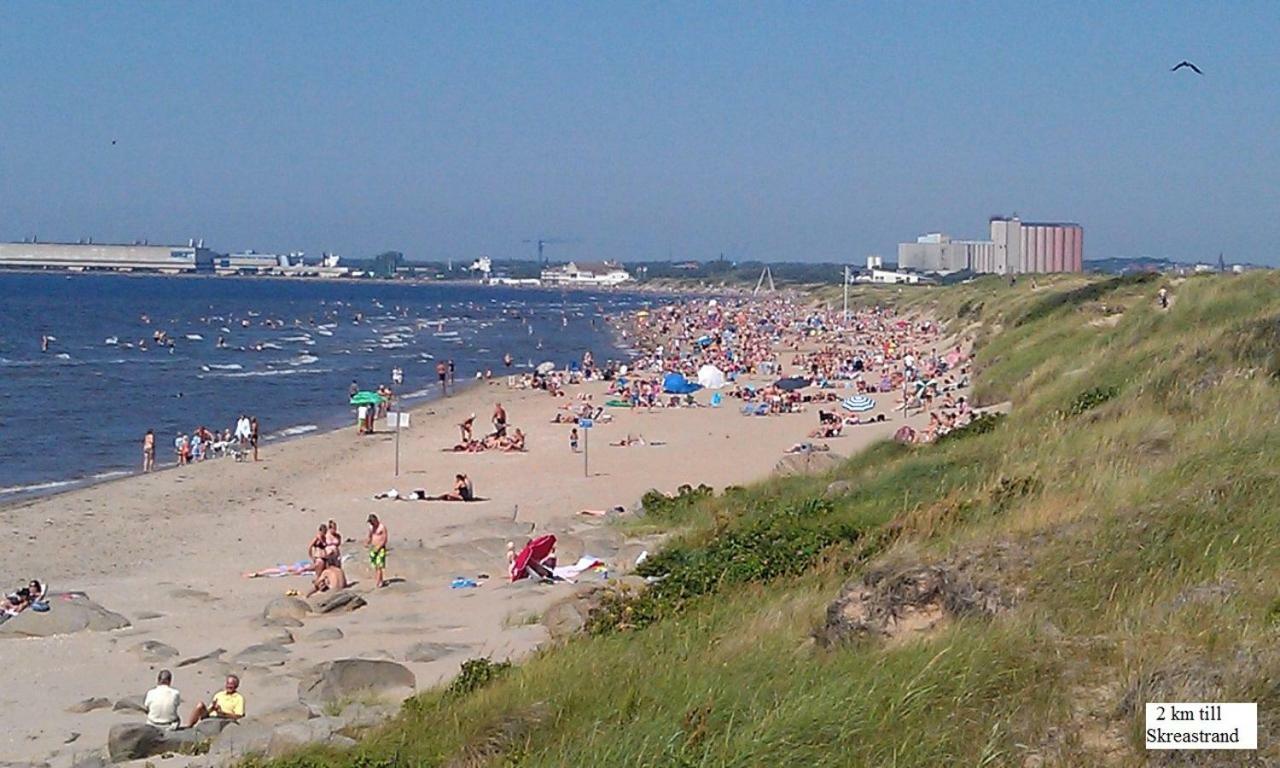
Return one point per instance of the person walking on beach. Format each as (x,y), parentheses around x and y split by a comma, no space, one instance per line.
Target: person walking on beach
(376,541)
(442,373)
(149,451)
(573,439)
(253,435)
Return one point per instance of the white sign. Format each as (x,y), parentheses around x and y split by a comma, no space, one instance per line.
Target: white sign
(1201,725)
(391,420)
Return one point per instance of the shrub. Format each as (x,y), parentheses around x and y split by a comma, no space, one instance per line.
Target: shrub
(1090,399)
(663,507)
(1085,293)
(476,674)
(783,544)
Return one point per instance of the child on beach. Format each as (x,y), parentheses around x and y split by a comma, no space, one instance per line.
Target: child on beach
(573,439)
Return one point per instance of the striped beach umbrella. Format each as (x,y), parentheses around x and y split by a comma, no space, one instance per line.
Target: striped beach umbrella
(858,403)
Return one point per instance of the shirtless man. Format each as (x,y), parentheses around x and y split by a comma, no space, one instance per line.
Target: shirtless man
(499,421)
(331,579)
(376,541)
(149,451)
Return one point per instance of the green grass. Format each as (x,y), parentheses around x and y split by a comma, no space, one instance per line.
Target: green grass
(1129,506)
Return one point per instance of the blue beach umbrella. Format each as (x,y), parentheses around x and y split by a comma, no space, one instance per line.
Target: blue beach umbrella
(858,403)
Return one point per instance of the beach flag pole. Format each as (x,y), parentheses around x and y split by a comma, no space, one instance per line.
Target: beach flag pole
(586,425)
(846,295)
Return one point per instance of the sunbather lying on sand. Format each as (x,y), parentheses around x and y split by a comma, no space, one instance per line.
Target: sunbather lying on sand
(808,448)
(300,568)
(462,491)
(629,440)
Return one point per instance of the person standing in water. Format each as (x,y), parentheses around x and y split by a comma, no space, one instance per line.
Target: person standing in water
(149,451)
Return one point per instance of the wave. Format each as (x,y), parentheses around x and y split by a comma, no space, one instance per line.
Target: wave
(300,429)
(12,489)
(223,367)
(303,360)
(303,338)
(253,374)
(194,337)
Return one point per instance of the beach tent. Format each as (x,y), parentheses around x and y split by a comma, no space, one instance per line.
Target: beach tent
(535,551)
(366,397)
(858,403)
(711,377)
(677,384)
(792,383)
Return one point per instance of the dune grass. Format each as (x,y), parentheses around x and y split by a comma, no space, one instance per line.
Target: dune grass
(1128,506)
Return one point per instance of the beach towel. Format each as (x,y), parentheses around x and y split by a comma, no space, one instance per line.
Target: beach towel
(585,563)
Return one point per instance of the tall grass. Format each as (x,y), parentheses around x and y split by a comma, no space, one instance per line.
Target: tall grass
(1129,507)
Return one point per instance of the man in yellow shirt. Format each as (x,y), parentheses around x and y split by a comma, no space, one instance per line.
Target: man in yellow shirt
(227,704)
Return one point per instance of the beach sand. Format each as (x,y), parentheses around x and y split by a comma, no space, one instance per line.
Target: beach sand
(167,550)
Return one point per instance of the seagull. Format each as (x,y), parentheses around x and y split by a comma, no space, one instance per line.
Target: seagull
(1184,63)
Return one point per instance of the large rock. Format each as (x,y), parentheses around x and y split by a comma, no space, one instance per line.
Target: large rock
(325,635)
(294,736)
(131,704)
(263,654)
(154,651)
(133,741)
(88,705)
(343,679)
(294,608)
(288,713)
(810,463)
(64,617)
(427,652)
(244,738)
(568,616)
(837,489)
(341,601)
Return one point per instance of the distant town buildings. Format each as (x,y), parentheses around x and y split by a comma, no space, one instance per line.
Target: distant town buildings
(1015,247)
(888,277)
(586,273)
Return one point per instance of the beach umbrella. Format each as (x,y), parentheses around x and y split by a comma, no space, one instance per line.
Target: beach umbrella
(536,551)
(546,367)
(677,384)
(711,377)
(791,383)
(858,403)
(366,397)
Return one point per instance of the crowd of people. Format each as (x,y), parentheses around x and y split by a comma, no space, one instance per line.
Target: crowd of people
(203,443)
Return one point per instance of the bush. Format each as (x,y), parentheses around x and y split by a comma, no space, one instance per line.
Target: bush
(783,544)
(476,674)
(659,505)
(1090,399)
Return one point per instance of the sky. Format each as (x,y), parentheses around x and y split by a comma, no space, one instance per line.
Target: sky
(800,131)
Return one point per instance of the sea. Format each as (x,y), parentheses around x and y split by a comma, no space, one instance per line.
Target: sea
(284,350)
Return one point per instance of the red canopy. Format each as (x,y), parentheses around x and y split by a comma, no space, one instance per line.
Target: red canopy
(536,550)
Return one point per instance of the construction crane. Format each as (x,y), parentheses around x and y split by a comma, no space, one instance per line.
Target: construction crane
(543,241)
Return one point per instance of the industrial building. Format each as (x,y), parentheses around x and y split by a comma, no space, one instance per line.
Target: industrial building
(79,257)
(252,262)
(1015,247)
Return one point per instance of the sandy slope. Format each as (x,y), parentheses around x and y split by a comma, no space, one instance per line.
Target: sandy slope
(175,543)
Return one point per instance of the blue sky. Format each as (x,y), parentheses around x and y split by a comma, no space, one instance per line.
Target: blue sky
(789,131)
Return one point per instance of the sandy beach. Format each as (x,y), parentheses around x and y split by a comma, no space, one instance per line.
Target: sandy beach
(168,550)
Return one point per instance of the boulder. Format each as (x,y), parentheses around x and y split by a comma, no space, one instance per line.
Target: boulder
(569,615)
(130,704)
(281,637)
(341,601)
(325,635)
(837,489)
(211,727)
(427,652)
(131,741)
(215,653)
(810,463)
(88,705)
(148,616)
(250,737)
(359,715)
(289,713)
(263,654)
(347,678)
(294,608)
(153,651)
(64,617)
(282,621)
(293,736)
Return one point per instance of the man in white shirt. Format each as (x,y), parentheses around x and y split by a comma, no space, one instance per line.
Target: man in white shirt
(162,702)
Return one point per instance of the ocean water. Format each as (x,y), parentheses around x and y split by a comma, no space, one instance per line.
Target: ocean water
(77,412)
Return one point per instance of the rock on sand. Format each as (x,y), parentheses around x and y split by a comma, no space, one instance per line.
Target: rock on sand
(346,678)
(64,617)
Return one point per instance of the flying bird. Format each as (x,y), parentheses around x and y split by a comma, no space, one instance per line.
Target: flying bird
(1188,64)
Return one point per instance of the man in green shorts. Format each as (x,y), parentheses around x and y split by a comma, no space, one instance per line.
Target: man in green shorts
(376,541)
